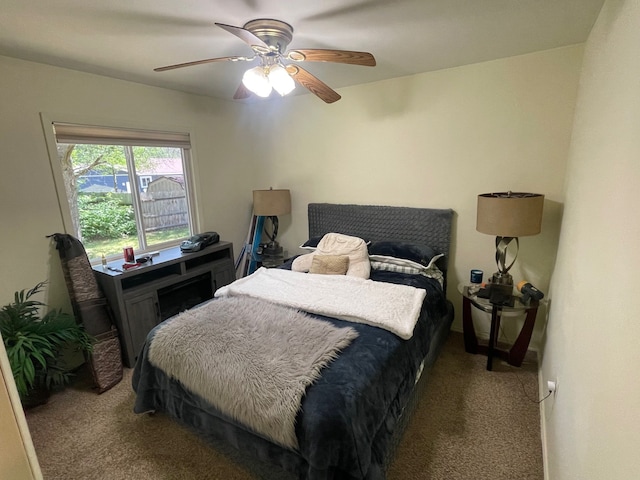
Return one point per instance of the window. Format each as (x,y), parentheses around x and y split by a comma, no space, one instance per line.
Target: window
(145,180)
(125,187)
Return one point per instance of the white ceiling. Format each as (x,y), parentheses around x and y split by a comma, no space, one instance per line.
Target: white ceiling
(127,39)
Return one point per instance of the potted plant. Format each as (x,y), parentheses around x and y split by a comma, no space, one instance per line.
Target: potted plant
(34,343)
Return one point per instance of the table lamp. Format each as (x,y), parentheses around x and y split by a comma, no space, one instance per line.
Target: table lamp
(508,215)
(269,204)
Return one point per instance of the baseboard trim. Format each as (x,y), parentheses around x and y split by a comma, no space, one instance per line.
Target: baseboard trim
(542,392)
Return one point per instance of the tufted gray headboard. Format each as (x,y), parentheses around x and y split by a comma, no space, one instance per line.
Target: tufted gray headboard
(427,226)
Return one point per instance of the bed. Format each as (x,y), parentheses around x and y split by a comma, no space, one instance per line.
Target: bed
(352,413)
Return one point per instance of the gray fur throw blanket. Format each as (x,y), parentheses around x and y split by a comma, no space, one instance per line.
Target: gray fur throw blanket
(251,359)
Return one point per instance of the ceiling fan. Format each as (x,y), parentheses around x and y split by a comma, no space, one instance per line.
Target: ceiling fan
(269,40)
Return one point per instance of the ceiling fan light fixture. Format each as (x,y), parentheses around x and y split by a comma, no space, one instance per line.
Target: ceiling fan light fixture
(269,39)
(256,80)
(280,80)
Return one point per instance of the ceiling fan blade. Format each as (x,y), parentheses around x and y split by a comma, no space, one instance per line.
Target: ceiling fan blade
(200,62)
(313,84)
(242,92)
(245,35)
(336,56)
(355,10)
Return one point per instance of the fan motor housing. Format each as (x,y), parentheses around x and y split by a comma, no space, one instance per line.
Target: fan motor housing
(275,33)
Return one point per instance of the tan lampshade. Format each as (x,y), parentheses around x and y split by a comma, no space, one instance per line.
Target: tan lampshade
(268,203)
(509,214)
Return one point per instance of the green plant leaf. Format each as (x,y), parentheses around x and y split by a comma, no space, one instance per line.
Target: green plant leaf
(38,356)
(21,386)
(21,355)
(29,371)
(33,340)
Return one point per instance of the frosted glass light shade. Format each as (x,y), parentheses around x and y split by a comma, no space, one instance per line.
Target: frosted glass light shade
(280,80)
(257,81)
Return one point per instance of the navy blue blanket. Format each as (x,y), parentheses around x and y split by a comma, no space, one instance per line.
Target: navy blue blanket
(348,416)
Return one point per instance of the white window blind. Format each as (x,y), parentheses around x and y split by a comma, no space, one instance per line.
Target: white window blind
(94,134)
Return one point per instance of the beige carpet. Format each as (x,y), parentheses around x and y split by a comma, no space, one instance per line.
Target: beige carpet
(469,424)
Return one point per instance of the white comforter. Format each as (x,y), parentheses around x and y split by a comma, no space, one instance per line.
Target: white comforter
(393,307)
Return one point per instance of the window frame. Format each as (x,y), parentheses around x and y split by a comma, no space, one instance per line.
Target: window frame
(145,180)
(189,169)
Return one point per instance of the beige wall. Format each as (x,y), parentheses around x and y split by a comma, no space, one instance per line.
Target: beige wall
(435,140)
(430,140)
(28,204)
(592,341)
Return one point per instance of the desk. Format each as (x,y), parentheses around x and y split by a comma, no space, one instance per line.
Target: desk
(516,353)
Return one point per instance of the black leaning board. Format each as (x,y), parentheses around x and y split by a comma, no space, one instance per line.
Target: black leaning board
(90,308)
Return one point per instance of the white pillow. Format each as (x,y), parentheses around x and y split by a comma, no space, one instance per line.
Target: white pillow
(337,244)
(312,244)
(408,267)
(404,262)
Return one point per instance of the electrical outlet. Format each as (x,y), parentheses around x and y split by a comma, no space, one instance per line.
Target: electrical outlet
(552,386)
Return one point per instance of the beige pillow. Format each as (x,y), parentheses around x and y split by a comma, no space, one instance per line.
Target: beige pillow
(330,264)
